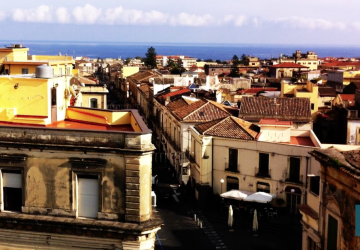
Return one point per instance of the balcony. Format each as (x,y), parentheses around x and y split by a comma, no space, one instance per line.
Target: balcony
(293,178)
(190,157)
(232,168)
(263,173)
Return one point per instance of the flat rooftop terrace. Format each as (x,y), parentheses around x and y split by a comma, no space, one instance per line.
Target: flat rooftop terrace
(71,125)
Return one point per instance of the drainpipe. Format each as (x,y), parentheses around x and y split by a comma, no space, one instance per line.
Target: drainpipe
(306,179)
(212,164)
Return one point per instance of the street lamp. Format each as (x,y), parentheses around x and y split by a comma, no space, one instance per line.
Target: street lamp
(292,193)
(221,181)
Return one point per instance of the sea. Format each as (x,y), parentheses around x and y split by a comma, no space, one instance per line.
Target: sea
(220,51)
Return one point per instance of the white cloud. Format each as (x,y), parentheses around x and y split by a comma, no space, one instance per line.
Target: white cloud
(3,15)
(87,14)
(356,25)
(185,19)
(309,23)
(41,14)
(63,15)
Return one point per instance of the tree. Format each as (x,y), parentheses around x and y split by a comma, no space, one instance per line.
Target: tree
(127,61)
(218,61)
(235,66)
(150,58)
(208,60)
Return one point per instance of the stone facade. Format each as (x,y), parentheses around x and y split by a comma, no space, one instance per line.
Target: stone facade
(51,163)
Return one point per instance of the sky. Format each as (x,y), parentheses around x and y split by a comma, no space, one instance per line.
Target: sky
(327,22)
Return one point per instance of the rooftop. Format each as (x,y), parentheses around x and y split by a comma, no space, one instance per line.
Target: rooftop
(288,65)
(288,109)
(229,127)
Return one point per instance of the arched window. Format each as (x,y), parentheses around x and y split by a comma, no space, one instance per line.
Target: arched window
(93,103)
(232,183)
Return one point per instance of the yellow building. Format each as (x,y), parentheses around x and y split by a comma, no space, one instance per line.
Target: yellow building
(71,177)
(15,60)
(308,90)
(14,53)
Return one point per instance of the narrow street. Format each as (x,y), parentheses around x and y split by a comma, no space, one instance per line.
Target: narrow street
(180,231)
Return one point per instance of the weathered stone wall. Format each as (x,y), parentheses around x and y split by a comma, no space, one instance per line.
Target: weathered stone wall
(343,191)
(49,181)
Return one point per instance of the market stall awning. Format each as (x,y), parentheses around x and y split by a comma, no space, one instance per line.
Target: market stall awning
(236,194)
(260,197)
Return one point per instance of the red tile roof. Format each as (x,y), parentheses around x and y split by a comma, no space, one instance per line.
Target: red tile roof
(275,122)
(287,109)
(229,127)
(288,65)
(174,93)
(179,103)
(145,88)
(201,111)
(348,97)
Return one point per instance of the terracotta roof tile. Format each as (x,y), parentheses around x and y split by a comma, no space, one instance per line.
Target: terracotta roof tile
(275,122)
(141,76)
(201,111)
(179,103)
(145,88)
(174,93)
(229,127)
(288,109)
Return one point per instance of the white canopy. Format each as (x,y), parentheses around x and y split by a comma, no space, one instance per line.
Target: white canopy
(260,197)
(236,194)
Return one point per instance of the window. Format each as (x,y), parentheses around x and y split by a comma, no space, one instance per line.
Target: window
(53,96)
(263,165)
(327,103)
(93,103)
(24,71)
(60,71)
(12,190)
(263,187)
(315,184)
(233,160)
(332,233)
(294,169)
(312,106)
(232,183)
(88,196)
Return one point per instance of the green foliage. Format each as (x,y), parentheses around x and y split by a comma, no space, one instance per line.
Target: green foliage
(127,61)
(177,70)
(150,58)
(208,60)
(235,67)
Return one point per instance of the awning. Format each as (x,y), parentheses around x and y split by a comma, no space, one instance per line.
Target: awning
(236,194)
(260,197)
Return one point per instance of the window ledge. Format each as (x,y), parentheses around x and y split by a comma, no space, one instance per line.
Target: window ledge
(231,170)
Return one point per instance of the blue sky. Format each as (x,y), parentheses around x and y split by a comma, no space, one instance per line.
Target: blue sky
(222,21)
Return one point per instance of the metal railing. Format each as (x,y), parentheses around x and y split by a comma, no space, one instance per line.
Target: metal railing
(265,174)
(294,178)
(232,167)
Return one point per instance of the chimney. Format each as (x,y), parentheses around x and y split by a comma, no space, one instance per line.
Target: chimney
(207,84)
(167,101)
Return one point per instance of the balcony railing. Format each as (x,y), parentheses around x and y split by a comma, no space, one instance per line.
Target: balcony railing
(232,168)
(294,179)
(263,174)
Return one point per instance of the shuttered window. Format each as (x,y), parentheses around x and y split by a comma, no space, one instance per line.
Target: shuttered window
(88,196)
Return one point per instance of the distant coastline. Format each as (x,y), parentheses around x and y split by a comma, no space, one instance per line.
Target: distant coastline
(204,51)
